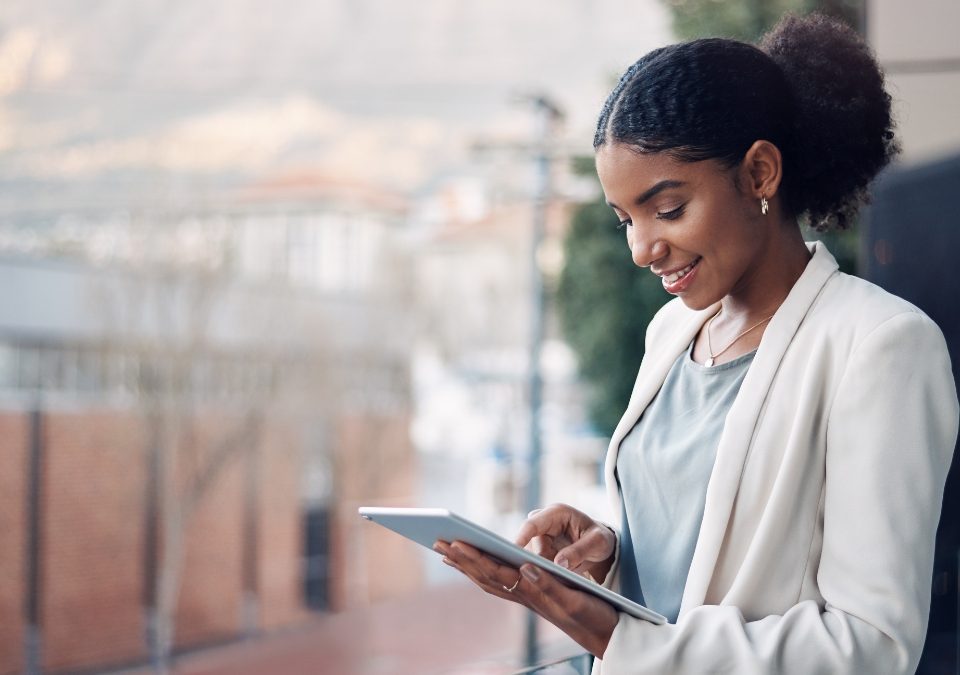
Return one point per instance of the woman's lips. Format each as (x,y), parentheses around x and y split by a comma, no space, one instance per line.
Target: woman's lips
(681,283)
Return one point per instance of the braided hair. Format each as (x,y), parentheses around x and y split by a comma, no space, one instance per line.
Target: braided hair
(812,88)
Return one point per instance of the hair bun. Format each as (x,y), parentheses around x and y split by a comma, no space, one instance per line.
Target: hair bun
(842,123)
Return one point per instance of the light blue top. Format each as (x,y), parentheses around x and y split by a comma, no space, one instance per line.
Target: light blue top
(663,468)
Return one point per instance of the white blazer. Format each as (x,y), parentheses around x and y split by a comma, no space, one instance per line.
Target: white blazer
(815,554)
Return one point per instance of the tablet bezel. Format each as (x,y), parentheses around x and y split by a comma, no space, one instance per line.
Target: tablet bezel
(426,525)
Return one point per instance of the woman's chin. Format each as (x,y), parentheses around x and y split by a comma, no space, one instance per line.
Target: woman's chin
(695,303)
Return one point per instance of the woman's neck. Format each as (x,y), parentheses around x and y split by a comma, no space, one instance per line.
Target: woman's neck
(759,295)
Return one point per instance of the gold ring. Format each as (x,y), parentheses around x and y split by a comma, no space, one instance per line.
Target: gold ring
(512,588)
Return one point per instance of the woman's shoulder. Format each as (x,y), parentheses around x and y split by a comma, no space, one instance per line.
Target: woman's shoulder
(863,301)
(854,304)
(850,305)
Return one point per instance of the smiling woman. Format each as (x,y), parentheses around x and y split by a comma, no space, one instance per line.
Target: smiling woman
(769,505)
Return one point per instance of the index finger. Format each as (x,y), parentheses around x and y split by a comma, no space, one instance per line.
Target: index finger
(545,522)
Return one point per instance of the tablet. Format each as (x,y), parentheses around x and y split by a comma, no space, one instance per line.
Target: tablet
(425,526)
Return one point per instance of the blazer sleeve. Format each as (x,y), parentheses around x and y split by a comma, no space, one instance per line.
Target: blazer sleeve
(891,429)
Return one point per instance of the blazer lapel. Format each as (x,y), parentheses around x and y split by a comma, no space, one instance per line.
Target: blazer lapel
(742,419)
(653,371)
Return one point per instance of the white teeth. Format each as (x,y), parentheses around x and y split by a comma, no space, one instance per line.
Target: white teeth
(676,276)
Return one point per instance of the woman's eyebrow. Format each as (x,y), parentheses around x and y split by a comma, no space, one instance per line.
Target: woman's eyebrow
(652,192)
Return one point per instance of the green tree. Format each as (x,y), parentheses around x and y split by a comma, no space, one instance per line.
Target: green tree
(749,19)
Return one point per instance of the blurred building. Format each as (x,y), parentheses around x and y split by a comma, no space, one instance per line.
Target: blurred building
(246,358)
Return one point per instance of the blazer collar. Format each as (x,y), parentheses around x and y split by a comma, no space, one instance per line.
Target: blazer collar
(741,419)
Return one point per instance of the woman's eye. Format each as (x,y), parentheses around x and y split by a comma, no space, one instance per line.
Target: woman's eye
(670,215)
(624,223)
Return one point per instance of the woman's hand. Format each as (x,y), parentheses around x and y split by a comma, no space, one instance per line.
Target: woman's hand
(587,619)
(570,538)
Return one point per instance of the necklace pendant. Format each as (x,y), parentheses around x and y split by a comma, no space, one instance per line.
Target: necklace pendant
(709,362)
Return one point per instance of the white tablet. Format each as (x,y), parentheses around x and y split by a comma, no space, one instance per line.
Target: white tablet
(425,526)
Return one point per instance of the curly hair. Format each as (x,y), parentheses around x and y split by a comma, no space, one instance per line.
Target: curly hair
(812,88)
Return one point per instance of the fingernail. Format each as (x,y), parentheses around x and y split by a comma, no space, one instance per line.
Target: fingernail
(447,561)
(562,561)
(530,572)
(533,513)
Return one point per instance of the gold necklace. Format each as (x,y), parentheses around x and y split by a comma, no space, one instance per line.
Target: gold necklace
(709,362)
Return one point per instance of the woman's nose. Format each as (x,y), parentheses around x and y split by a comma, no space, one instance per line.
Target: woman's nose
(646,251)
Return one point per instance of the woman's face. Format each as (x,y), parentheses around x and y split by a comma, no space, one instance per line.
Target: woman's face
(686,221)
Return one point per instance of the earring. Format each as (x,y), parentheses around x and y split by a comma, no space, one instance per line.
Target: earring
(764,205)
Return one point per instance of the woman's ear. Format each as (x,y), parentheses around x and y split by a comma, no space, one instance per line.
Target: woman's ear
(763,169)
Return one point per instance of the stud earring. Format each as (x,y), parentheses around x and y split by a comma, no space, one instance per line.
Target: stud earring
(764,205)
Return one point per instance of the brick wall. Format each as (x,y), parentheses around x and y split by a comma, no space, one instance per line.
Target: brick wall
(281,538)
(211,591)
(95,475)
(14,430)
(92,539)
(375,466)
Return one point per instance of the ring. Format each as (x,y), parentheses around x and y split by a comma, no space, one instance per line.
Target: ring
(512,588)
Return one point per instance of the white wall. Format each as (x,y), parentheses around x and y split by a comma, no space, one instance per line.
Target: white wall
(917,43)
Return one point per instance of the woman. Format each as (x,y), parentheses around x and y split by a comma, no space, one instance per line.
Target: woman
(780,466)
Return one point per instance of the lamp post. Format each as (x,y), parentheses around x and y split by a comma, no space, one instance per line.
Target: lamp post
(547,115)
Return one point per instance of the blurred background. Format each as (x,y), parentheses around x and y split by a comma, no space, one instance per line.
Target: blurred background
(263,263)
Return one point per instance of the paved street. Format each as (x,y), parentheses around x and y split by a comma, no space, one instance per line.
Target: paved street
(451,630)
